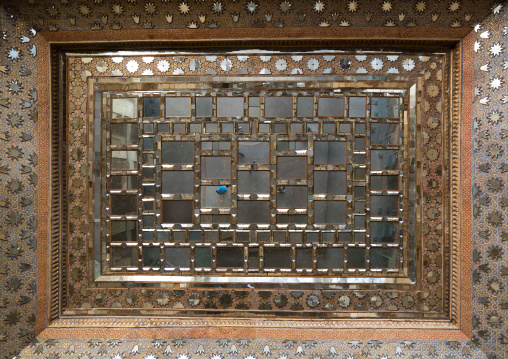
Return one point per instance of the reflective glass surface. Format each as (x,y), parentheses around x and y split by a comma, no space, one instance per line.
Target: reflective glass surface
(286,183)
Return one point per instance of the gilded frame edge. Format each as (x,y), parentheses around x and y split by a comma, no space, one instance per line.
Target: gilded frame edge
(49,296)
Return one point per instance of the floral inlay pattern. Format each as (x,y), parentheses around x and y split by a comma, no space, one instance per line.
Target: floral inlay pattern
(19,178)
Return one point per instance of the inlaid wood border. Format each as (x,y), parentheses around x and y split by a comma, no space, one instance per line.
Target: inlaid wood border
(52,211)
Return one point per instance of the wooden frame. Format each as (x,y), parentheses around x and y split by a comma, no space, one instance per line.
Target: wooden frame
(51,296)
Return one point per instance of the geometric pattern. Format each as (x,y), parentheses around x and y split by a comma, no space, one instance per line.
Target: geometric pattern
(19,162)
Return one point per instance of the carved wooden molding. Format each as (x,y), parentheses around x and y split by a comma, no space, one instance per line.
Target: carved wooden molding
(52,320)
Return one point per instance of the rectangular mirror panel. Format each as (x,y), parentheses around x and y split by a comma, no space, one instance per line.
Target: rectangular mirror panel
(177,257)
(326,152)
(124,160)
(215,167)
(124,134)
(330,182)
(292,167)
(387,107)
(277,257)
(213,197)
(177,212)
(177,152)
(331,107)
(203,107)
(177,182)
(178,106)
(124,107)
(253,212)
(330,212)
(357,106)
(328,258)
(230,106)
(384,258)
(278,107)
(384,232)
(151,106)
(123,205)
(292,197)
(384,133)
(124,257)
(253,182)
(124,231)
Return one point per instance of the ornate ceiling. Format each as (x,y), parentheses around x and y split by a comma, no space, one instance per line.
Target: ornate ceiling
(19,162)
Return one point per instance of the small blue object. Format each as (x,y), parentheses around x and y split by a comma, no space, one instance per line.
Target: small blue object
(222,190)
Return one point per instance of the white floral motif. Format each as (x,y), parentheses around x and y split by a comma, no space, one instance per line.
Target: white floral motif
(226,65)
(477,45)
(496,83)
(313,64)
(251,6)
(163,65)
(485,67)
(377,64)
(194,65)
(168,350)
(101,66)
(485,100)
(217,7)
(13,54)
(496,49)
(281,64)
(319,6)
(285,6)
(184,8)
(408,64)
(495,116)
(132,66)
